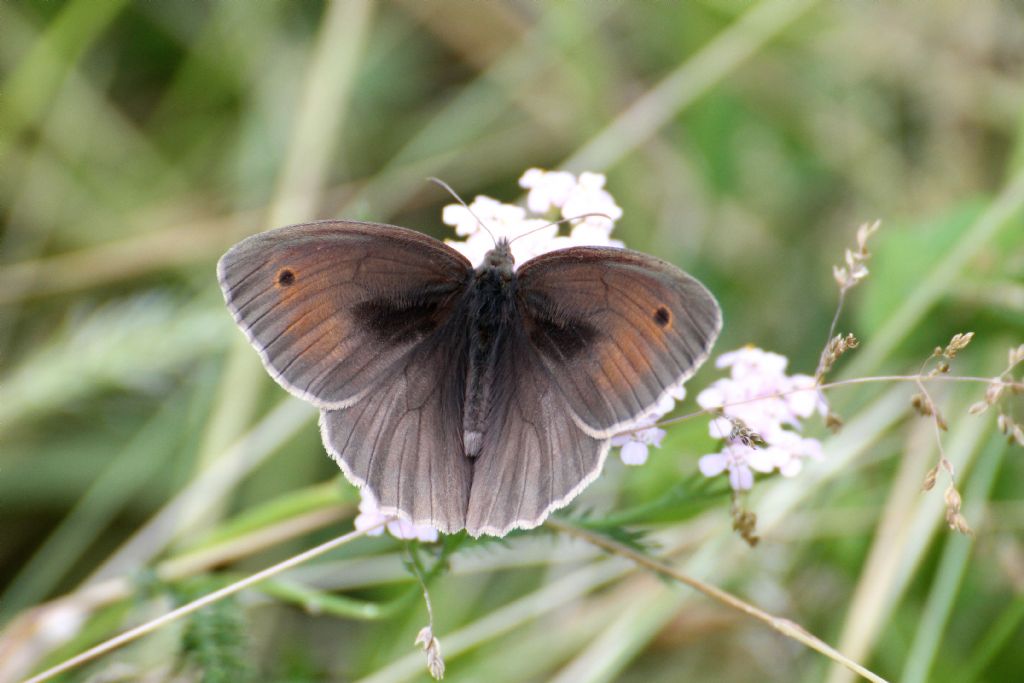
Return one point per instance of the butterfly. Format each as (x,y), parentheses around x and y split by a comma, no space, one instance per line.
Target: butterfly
(460,397)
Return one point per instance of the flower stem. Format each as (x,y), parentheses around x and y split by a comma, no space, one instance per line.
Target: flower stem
(786,627)
(154,624)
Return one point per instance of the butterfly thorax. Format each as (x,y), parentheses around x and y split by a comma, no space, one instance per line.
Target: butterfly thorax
(499,260)
(492,308)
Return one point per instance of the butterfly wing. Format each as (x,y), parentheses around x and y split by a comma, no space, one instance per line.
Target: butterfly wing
(534,458)
(615,329)
(403,441)
(601,336)
(331,306)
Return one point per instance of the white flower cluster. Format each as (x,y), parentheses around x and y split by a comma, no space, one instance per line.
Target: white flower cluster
(759,401)
(552,196)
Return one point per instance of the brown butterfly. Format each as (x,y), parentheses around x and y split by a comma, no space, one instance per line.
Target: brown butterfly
(478,399)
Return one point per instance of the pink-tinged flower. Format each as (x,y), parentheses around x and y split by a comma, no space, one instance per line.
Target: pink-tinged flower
(634,446)
(807,400)
(788,450)
(371,516)
(738,460)
(760,398)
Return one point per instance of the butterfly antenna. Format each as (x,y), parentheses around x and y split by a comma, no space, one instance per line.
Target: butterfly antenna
(564,220)
(459,200)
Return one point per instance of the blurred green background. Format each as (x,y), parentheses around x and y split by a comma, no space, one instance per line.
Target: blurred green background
(144,451)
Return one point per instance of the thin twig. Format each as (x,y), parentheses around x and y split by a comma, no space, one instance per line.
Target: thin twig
(832,330)
(786,627)
(828,385)
(414,566)
(154,624)
(97,594)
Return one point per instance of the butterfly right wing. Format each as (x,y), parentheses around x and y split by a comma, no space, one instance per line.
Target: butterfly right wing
(600,336)
(534,457)
(615,329)
(331,306)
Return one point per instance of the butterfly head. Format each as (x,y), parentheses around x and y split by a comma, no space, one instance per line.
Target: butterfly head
(500,259)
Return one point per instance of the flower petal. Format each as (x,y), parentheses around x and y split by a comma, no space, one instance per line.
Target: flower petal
(741,478)
(713,464)
(720,428)
(634,453)
(762,460)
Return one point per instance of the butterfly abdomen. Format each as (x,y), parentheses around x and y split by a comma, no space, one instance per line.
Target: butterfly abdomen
(491,307)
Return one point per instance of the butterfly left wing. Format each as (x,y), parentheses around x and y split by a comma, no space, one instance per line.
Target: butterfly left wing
(601,335)
(403,441)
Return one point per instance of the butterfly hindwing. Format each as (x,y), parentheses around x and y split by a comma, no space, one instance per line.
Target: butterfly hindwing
(403,441)
(534,457)
(598,337)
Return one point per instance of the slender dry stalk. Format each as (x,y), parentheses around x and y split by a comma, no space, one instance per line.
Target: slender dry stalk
(154,624)
(786,627)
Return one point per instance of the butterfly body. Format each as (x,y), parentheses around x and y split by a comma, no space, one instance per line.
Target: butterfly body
(492,312)
(466,398)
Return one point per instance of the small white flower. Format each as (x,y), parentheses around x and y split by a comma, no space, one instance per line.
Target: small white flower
(593,231)
(532,236)
(752,361)
(633,453)
(788,450)
(371,516)
(720,428)
(635,444)
(738,460)
(589,196)
(806,402)
(548,189)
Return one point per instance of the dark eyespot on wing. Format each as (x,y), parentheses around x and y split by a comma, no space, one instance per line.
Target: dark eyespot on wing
(662,316)
(286,277)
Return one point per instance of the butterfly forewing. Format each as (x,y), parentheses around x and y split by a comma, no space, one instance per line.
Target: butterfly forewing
(615,329)
(332,306)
